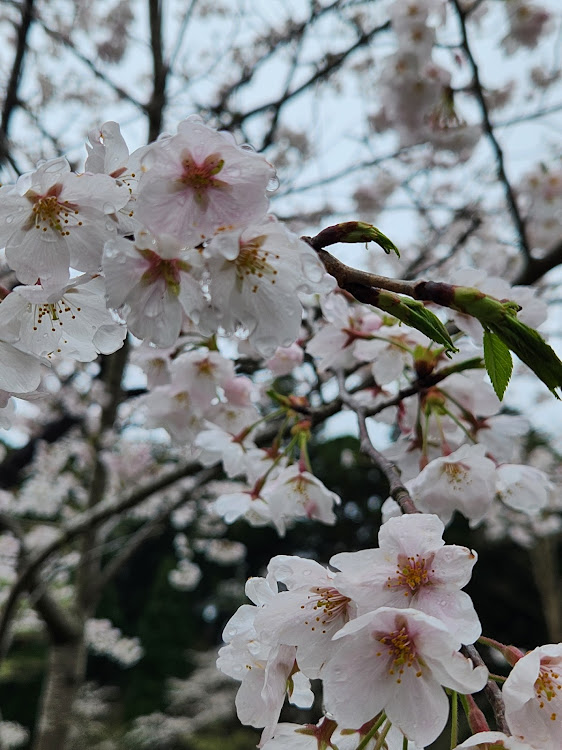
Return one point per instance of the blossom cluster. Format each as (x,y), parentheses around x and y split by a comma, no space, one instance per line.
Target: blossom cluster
(174,236)
(381,628)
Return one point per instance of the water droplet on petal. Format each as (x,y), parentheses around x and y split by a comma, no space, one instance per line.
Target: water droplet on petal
(273,184)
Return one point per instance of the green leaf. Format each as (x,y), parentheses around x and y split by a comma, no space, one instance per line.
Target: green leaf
(415,314)
(499,364)
(531,349)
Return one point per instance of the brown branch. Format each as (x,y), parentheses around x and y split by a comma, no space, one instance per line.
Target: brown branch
(536,268)
(155,107)
(396,488)
(69,44)
(492,691)
(489,130)
(332,63)
(60,625)
(293,32)
(11,98)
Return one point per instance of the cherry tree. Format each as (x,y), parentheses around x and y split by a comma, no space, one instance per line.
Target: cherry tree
(181,187)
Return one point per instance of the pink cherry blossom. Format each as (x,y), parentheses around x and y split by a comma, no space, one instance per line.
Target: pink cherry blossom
(200,181)
(285,359)
(396,661)
(412,567)
(532,695)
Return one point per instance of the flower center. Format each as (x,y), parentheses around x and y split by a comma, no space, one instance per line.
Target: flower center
(47,212)
(412,573)
(401,649)
(548,685)
(328,606)
(254,261)
(53,313)
(201,177)
(163,268)
(456,473)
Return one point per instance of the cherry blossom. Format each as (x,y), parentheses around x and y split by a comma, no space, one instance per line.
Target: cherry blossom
(463,480)
(265,673)
(412,567)
(523,488)
(256,276)
(200,181)
(397,660)
(53,219)
(533,697)
(150,282)
(298,494)
(332,345)
(307,614)
(71,321)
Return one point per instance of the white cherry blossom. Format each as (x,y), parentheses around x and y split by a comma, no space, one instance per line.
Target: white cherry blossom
(256,276)
(72,321)
(53,219)
(396,661)
(413,567)
(307,614)
(151,282)
(532,695)
(523,488)
(463,481)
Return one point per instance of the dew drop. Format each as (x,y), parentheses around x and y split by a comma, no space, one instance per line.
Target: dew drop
(273,184)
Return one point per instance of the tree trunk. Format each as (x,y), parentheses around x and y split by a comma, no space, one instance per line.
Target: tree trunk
(65,674)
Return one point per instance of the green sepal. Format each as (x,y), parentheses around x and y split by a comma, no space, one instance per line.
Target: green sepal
(498,361)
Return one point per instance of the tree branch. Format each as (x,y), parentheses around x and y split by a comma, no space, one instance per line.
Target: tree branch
(60,625)
(397,491)
(11,98)
(493,693)
(155,107)
(489,130)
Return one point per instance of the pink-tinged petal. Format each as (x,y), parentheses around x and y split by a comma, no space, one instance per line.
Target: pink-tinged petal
(533,697)
(493,741)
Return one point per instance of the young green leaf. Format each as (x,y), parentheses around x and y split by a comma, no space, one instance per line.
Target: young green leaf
(531,349)
(415,314)
(499,364)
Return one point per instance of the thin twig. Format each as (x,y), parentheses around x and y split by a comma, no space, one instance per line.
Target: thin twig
(489,130)
(396,488)
(492,691)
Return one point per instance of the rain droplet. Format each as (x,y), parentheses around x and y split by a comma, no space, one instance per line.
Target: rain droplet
(273,184)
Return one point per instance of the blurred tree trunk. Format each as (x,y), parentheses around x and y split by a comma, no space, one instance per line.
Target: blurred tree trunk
(65,674)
